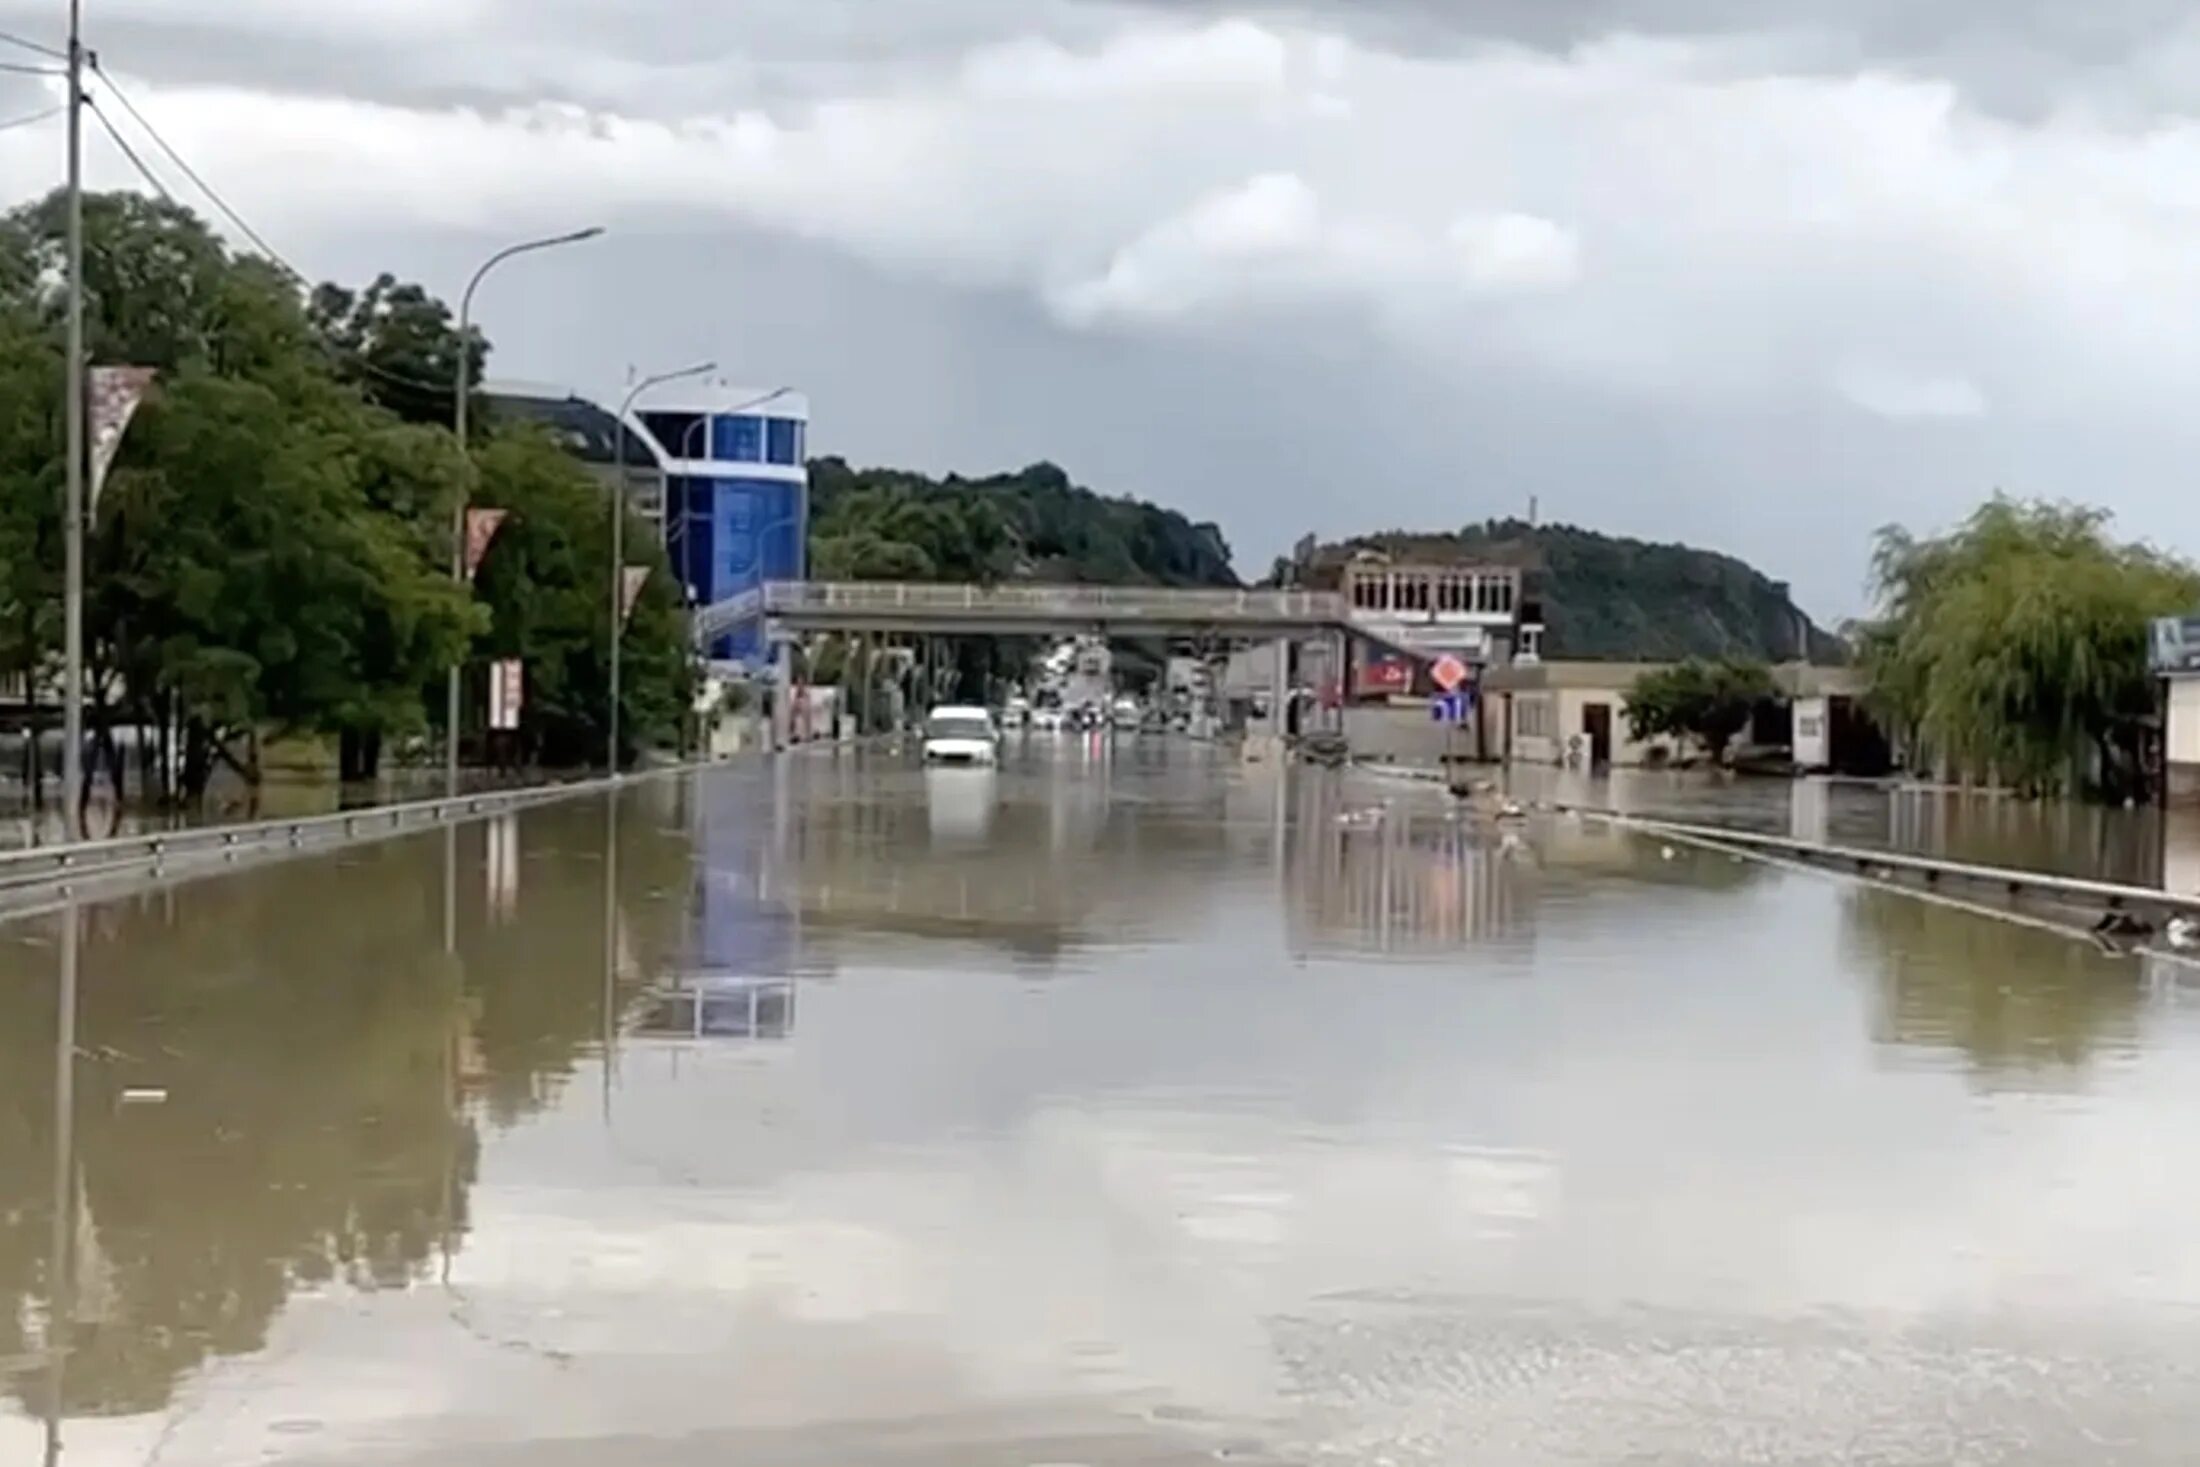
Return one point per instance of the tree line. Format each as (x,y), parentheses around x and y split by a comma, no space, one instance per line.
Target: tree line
(2012,649)
(270,552)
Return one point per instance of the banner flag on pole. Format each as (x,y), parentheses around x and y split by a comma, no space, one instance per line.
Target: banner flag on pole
(630,590)
(113,395)
(481,527)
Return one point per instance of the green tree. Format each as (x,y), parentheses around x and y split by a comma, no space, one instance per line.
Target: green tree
(251,580)
(398,344)
(267,554)
(1708,701)
(889,524)
(546,584)
(30,500)
(2015,645)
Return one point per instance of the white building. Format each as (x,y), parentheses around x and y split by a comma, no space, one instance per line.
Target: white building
(2175,654)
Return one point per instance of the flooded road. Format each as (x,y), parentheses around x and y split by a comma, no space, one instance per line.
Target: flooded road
(1119,1107)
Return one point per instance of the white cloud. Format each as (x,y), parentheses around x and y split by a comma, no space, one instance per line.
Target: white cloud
(1893,392)
(1515,251)
(1671,221)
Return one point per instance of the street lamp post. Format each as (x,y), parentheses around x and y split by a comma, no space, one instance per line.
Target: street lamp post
(618,545)
(458,511)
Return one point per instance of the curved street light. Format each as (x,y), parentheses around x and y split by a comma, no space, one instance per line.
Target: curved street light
(458,511)
(618,545)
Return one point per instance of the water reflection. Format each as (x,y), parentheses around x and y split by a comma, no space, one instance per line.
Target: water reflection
(1625,1174)
(2019,1004)
(1404,876)
(279,1080)
(2107,843)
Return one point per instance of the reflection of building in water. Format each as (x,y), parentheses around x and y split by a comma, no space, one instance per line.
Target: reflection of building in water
(740,924)
(951,862)
(1400,879)
(2181,851)
(706,1006)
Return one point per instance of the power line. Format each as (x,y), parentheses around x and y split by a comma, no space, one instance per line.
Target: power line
(21,70)
(30,45)
(193,174)
(52,111)
(130,152)
(358,359)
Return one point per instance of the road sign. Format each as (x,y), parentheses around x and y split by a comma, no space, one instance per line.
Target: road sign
(1448,672)
(1453,707)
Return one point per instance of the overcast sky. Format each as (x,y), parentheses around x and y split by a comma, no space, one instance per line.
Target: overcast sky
(1755,274)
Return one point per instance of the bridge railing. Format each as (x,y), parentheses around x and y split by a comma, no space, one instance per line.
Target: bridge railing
(1126,603)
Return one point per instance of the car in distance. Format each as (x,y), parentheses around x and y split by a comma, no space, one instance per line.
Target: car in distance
(959,735)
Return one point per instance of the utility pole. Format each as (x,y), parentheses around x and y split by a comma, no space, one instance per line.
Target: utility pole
(462,391)
(72,502)
(618,546)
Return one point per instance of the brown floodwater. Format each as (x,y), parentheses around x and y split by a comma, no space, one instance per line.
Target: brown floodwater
(1122,1106)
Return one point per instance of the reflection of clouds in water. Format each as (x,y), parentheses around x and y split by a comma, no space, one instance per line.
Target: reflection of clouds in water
(1137,1246)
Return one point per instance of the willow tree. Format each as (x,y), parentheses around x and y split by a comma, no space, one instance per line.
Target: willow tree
(2015,646)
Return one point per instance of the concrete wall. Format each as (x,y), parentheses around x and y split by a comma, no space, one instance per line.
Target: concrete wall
(1813,740)
(1401,735)
(2182,735)
(2181,742)
(1545,720)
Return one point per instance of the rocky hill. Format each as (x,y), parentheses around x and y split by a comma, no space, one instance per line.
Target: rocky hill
(1608,597)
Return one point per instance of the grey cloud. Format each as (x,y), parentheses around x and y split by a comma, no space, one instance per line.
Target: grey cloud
(1301,424)
(2016,56)
(2100,32)
(657,56)
(642,56)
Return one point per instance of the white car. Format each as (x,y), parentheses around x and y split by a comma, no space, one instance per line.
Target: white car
(1046,720)
(957,735)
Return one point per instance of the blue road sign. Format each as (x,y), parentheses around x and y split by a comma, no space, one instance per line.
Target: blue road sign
(1451,707)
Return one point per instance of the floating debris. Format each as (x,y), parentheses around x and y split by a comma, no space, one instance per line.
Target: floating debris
(145,1095)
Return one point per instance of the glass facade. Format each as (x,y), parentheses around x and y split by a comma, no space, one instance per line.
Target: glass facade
(738,439)
(782,441)
(728,535)
(736,521)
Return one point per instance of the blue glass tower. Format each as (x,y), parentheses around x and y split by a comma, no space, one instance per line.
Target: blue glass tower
(737,488)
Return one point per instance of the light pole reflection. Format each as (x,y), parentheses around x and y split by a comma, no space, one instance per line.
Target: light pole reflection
(60,1283)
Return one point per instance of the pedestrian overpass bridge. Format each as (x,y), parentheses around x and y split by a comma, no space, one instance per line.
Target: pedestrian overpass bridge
(802,607)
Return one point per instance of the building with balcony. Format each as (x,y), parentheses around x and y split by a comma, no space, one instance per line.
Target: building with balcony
(1478,613)
(737,490)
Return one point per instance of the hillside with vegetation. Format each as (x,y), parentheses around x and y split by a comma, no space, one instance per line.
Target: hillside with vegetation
(1614,598)
(1031,525)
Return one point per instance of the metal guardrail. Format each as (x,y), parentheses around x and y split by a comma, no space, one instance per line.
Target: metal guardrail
(709,623)
(196,847)
(1067,603)
(2085,891)
(1127,603)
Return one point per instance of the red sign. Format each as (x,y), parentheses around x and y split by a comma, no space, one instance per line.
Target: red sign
(481,528)
(1380,673)
(114,394)
(1448,672)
